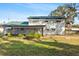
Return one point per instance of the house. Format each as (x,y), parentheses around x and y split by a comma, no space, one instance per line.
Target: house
(15,27)
(45,25)
(53,24)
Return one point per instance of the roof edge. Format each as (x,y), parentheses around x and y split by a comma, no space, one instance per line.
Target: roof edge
(46,17)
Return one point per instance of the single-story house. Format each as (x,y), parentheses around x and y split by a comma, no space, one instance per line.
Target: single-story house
(45,25)
(21,28)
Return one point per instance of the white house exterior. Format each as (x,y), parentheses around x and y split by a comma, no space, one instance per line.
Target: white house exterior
(45,25)
(16,28)
(53,24)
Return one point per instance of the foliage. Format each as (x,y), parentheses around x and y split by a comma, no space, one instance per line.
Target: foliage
(67,10)
(65,46)
(32,35)
(20,35)
(1,35)
(37,35)
(9,34)
(4,37)
(29,36)
(75,26)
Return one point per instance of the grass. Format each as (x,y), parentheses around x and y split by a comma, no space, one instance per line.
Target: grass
(48,46)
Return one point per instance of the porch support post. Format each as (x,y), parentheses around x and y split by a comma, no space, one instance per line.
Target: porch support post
(42,31)
(4,30)
(34,30)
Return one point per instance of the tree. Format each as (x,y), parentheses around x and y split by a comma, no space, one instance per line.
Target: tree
(67,10)
(58,12)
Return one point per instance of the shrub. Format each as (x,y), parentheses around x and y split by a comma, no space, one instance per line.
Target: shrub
(9,34)
(1,35)
(33,35)
(37,35)
(4,37)
(29,36)
(20,35)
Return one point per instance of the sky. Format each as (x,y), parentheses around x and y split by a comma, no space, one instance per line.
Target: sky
(20,11)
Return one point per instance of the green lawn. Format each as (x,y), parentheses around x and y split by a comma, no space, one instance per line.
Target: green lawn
(48,46)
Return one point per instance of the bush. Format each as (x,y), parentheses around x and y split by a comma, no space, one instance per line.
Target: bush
(9,34)
(20,35)
(33,35)
(37,35)
(5,38)
(1,35)
(29,36)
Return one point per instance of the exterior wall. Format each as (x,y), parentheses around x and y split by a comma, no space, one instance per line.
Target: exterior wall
(1,29)
(60,27)
(36,22)
(22,30)
(52,27)
(19,30)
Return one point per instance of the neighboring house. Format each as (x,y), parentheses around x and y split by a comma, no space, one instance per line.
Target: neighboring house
(53,24)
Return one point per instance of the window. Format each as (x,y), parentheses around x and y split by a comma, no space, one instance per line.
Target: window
(34,21)
(58,21)
(45,21)
(53,29)
(22,28)
(47,29)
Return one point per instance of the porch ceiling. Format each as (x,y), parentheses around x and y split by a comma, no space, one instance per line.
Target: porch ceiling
(29,26)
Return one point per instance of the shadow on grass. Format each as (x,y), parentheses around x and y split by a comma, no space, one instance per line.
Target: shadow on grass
(18,48)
